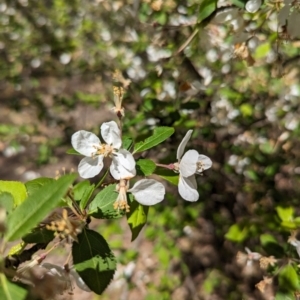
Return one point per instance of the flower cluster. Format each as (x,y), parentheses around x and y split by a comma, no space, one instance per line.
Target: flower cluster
(122,168)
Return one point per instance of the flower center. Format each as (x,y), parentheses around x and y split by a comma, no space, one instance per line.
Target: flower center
(121,202)
(200,167)
(103,149)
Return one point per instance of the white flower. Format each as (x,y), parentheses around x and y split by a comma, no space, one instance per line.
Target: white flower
(88,144)
(64,274)
(190,164)
(146,192)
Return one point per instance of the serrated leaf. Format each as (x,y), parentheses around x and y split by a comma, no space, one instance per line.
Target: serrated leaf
(207,7)
(288,279)
(83,192)
(145,167)
(16,188)
(159,135)
(93,260)
(39,236)
(36,207)
(35,184)
(73,152)
(11,291)
(102,205)
(6,201)
(168,175)
(136,218)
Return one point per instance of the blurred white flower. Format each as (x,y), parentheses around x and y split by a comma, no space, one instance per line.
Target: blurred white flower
(252,6)
(88,144)
(65,274)
(146,192)
(190,164)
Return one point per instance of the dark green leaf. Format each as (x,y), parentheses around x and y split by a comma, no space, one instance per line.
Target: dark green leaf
(126,143)
(16,188)
(136,218)
(145,167)
(36,207)
(102,205)
(39,236)
(168,175)
(93,260)
(159,135)
(207,7)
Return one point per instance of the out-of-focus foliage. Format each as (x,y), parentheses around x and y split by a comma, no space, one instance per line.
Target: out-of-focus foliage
(227,70)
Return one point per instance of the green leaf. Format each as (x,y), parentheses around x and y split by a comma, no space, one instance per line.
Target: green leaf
(271,245)
(6,201)
(239,3)
(102,205)
(207,7)
(11,291)
(285,296)
(93,260)
(160,134)
(288,279)
(236,233)
(36,207)
(262,50)
(73,152)
(16,188)
(246,110)
(136,218)
(145,167)
(168,175)
(39,236)
(285,213)
(83,192)
(126,142)
(33,185)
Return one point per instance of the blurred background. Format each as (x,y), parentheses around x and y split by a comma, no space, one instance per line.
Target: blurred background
(231,75)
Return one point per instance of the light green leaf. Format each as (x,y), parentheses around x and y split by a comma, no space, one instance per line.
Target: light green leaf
(159,135)
(136,218)
(102,205)
(207,7)
(236,233)
(145,167)
(93,260)
(11,291)
(246,110)
(168,175)
(126,142)
(262,50)
(285,213)
(16,188)
(288,279)
(284,296)
(73,152)
(6,201)
(36,207)
(83,192)
(33,185)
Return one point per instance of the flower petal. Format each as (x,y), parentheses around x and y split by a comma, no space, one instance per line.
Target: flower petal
(79,281)
(123,165)
(148,191)
(183,143)
(85,142)
(111,134)
(205,162)
(187,188)
(90,166)
(188,163)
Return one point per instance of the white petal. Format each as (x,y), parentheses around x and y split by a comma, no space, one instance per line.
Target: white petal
(148,191)
(187,188)
(188,163)
(183,143)
(205,161)
(85,142)
(123,165)
(111,134)
(90,166)
(79,281)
